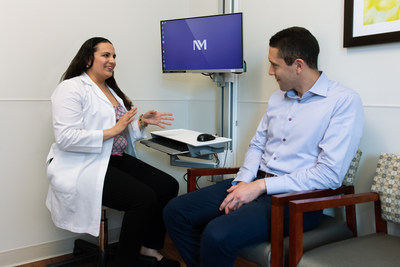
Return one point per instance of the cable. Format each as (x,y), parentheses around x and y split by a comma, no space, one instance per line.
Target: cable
(216,158)
(211,75)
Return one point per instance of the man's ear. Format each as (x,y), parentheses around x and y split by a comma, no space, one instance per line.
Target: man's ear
(299,65)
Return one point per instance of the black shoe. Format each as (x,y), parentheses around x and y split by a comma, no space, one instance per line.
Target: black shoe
(164,262)
(146,261)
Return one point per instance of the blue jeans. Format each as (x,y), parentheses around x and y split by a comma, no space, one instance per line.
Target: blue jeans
(205,236)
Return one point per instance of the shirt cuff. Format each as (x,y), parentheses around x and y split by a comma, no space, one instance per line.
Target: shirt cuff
(137,133)
(243,176)
(275,185)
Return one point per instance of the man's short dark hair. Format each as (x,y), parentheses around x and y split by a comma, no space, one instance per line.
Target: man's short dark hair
(294,43)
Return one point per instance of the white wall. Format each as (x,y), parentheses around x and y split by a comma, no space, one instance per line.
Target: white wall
(41,37)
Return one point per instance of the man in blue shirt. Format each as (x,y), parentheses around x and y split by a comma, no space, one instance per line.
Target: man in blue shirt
(306,140)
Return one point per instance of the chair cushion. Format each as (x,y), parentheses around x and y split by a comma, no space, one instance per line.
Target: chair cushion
(258,253)
(329,230)
(386,183)
(351,172)
(371,250)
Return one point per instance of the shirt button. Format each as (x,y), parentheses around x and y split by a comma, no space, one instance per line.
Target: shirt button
(274,158)
(290,119)
(284,139)
(298,100)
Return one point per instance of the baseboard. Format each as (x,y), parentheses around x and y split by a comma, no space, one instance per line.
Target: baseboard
(48,250)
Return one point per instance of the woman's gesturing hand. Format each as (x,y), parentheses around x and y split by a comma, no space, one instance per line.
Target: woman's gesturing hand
(157,118)
(121,124)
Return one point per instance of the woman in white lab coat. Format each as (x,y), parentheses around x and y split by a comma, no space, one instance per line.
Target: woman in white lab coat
(93,161)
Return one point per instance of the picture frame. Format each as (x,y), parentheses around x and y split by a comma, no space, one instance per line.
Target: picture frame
(380,33)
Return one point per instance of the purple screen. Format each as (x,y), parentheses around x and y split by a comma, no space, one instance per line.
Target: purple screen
(203,43)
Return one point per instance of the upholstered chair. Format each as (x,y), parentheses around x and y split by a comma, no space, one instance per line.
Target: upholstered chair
(376,249)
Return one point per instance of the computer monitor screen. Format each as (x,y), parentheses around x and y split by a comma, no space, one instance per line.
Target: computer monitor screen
(210,44)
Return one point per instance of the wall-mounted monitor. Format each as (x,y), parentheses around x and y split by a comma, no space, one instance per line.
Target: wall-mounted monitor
(209,44)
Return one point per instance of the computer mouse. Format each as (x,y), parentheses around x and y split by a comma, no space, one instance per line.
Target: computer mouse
(205,137)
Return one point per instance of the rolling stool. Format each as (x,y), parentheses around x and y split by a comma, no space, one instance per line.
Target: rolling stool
(86,252)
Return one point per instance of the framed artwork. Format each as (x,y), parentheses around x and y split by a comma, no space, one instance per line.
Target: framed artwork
(369,22)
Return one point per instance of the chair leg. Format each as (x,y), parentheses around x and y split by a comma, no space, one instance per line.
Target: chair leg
(103,240)
(102,259)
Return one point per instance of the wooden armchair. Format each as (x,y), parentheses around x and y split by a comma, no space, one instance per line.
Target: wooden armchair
(377,249)
(275,253)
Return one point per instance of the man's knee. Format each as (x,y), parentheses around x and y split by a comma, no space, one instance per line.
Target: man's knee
(216,236)
(170,211)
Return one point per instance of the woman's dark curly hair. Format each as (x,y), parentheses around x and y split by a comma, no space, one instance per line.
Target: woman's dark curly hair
(83,60)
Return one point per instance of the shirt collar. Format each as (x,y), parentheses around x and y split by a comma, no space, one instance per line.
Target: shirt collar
(320,87)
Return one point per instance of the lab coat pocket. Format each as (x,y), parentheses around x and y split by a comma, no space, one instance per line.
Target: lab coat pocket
(65,202)
(62,176)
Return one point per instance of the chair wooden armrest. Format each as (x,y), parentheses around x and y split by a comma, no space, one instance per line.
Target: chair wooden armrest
(298,207)
(278,204)
(192,175)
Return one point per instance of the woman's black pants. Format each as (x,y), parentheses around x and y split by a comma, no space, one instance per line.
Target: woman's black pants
(141,191)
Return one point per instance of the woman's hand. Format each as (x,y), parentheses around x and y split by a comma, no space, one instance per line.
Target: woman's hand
(121,124)
(157,118)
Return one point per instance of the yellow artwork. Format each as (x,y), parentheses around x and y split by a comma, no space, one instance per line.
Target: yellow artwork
(377,11)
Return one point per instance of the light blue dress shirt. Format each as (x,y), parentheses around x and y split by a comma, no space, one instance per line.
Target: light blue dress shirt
(307,142)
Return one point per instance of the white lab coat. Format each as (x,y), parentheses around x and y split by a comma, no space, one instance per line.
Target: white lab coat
(79,156)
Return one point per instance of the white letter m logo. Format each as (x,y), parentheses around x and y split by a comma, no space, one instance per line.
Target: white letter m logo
(200,45)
